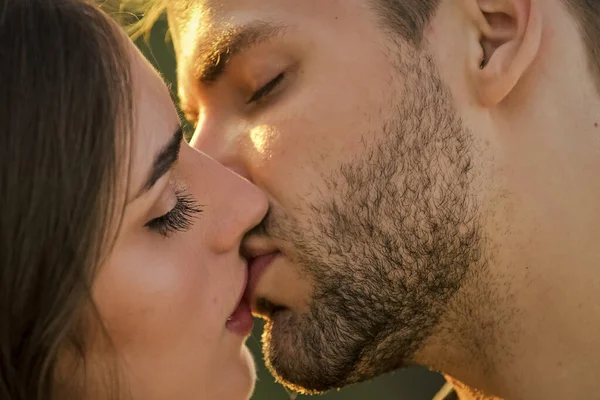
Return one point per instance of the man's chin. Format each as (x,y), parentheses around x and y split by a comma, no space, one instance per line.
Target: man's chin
(311,356)
(300,359)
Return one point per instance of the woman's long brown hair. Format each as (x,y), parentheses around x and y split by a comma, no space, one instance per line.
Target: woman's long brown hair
(65,122)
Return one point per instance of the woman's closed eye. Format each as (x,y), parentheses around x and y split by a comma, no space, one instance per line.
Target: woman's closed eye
(179,218)
(266,89)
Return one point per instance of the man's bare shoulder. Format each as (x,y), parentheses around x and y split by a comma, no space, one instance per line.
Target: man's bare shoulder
(454,390)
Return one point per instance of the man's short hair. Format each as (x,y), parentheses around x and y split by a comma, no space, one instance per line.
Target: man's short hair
(409,18)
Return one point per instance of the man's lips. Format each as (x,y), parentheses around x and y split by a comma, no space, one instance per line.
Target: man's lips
(256,267)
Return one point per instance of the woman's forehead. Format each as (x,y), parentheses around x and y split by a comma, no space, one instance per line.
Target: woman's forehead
(155,118)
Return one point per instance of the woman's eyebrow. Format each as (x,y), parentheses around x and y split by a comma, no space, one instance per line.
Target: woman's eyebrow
(164,160)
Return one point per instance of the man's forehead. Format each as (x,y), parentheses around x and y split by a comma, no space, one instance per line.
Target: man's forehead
(212,48)
(206,14)
(197,18)
(202,25)
(184,10)
(222,12)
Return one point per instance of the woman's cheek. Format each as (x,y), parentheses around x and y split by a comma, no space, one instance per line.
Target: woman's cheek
(148,293)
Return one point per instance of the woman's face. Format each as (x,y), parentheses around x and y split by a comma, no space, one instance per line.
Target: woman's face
(169,294)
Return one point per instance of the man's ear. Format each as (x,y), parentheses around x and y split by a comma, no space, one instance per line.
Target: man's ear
(510,36)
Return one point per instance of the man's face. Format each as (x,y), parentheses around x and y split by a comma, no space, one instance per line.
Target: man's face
(353,136)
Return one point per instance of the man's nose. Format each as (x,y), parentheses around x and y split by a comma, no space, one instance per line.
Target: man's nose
(225,145)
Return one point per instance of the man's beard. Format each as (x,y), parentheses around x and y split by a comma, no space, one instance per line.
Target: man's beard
(387,244)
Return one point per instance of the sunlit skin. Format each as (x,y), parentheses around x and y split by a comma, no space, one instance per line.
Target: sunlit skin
(165,301)
(432,204)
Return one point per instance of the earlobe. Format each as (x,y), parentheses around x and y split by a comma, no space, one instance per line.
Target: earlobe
(510,41)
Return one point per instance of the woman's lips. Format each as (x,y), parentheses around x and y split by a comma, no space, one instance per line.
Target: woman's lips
(241,320)
(257,267)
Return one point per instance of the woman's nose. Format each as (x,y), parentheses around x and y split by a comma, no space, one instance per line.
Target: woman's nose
(238,206)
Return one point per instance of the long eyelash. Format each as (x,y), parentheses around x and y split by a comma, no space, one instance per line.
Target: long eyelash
(265,90)
(180,218)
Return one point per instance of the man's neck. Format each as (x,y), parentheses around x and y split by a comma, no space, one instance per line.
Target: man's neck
(557,353)
(538,333)
(525,326)
(463,392)
(532,332)
(542,343)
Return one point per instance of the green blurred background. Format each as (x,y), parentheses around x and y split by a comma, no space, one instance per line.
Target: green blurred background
(410,384)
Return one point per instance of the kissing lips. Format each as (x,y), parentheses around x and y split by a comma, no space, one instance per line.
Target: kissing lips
(241,320)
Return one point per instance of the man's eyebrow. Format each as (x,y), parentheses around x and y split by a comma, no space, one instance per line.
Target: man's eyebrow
(226,44)
(164,160)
